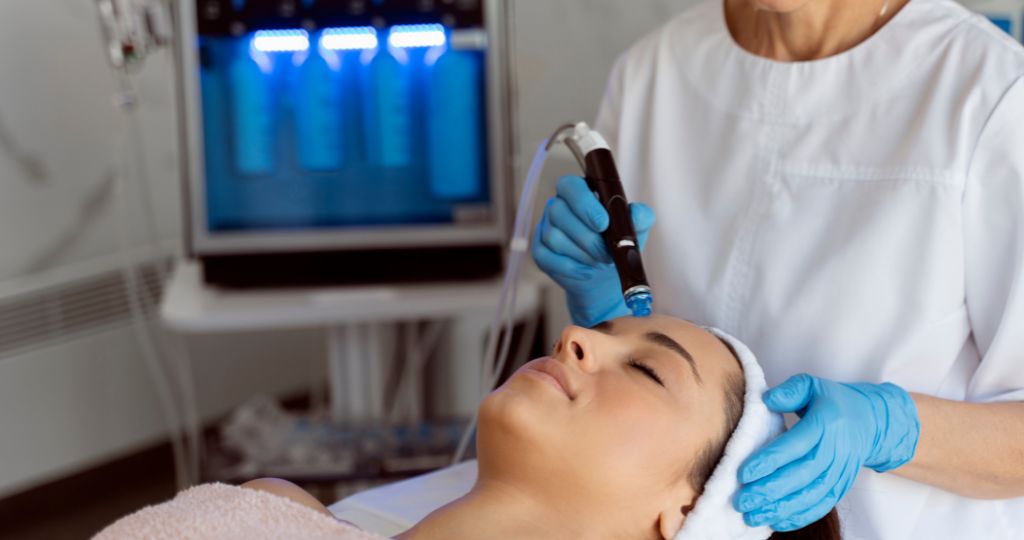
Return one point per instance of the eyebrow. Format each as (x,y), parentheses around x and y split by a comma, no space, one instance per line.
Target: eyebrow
(661,340)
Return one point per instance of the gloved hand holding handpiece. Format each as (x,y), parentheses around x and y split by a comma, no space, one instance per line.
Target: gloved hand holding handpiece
(568,246)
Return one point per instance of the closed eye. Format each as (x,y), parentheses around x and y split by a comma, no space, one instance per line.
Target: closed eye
(646,370)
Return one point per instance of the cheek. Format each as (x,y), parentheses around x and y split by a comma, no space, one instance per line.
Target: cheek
(631,416)
(641,439)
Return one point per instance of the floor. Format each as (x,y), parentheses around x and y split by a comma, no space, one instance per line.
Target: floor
(80,506)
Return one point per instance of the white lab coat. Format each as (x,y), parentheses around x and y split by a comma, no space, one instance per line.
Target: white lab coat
(859,217)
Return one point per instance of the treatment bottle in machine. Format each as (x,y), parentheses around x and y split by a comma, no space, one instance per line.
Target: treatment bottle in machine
(388,106)
(318,108)
(252,110)
(454,123)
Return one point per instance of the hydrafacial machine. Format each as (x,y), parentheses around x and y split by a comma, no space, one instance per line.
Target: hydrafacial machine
(345,141)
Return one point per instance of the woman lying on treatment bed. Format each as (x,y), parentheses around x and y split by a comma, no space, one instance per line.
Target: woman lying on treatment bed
(634,429)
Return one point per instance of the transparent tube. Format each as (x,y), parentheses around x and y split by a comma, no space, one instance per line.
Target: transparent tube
(155,347)
(176,357)
(146,343)
(505,312)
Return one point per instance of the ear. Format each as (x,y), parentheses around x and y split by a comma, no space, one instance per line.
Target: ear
(671,519)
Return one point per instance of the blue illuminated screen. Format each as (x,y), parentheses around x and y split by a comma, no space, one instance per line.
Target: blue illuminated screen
(342,127)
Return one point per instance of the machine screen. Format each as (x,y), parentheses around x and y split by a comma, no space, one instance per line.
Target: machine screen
(343,126)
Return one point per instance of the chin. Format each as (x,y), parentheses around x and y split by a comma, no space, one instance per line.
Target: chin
(509,412)
(512,422)
(519,442)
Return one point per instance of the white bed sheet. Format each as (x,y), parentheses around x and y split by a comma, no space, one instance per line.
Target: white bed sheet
(392,509)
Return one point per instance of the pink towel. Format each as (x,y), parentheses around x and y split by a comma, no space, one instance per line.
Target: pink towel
(229,512)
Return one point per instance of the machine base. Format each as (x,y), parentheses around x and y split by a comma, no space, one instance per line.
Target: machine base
(353,267)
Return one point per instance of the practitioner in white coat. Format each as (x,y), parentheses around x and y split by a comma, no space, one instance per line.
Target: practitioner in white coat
(839,184)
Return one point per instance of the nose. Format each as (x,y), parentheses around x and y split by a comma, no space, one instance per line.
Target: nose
(577,345)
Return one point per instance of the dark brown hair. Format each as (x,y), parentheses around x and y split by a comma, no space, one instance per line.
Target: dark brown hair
(826,528)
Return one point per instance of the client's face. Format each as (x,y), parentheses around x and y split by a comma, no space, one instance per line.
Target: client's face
(611,423)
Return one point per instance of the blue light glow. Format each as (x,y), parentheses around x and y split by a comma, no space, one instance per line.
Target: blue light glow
(281,41)
(417,35)
(349,39)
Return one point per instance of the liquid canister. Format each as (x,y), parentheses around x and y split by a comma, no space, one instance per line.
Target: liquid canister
(388,98)
(318,110)
(253,111)
(216,132)
(455,125)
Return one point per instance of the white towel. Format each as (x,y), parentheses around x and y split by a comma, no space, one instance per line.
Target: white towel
(713,516)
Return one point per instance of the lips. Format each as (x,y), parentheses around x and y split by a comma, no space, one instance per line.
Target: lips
(556,371)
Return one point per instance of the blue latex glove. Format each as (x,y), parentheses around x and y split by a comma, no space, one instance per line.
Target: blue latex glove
(567,245)
(799,477)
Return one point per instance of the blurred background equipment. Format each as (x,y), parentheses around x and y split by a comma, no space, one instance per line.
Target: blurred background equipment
(341,142)
(404,373)
(133,28)
(331,144)
(1006,14)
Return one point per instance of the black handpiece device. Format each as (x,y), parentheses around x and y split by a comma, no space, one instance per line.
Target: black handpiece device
(602,178)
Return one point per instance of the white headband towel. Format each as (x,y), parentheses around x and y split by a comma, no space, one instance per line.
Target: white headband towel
(713,516)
